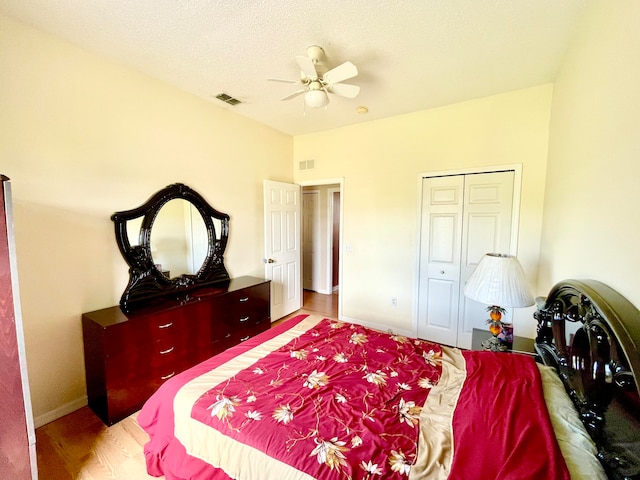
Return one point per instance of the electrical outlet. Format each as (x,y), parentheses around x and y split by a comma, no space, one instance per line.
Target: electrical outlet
(394,301)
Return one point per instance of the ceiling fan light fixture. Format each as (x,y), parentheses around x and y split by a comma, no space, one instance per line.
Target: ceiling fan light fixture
(317,83)
(316,98)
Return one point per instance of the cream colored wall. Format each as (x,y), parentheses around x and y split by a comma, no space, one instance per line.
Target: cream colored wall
(381,162)
(82,137)
(591,226)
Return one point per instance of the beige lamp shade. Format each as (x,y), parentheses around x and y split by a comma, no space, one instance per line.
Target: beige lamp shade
(499,280)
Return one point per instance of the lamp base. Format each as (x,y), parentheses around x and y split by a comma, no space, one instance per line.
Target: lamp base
(494,345)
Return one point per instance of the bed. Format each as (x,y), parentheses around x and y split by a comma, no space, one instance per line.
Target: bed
(317,398)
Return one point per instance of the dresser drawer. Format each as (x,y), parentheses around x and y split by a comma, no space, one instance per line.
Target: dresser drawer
(179,326)
(126,336)
(128,356)
(246,333)
(142,331)
(248,306)
(124,398)
(250,297)
(221,336)
(128,365)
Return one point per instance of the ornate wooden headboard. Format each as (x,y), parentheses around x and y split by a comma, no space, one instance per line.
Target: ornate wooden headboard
(598,359)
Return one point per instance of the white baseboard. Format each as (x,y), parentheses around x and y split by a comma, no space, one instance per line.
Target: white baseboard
(378,326)
(321,291)
(59,412)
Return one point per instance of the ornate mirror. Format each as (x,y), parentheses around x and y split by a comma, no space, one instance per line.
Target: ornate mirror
(172,243)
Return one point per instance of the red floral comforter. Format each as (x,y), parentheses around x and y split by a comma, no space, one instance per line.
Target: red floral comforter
(318,398)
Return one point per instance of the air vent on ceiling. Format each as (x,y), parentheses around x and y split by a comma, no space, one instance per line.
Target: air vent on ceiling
(228,99)
(307,165)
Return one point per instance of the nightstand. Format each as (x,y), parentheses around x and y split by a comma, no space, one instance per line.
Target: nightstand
(520,344)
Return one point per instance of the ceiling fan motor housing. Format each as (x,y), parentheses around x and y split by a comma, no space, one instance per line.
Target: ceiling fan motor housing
(315,53)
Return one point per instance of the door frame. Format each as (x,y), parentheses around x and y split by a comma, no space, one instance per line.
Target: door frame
(302,243)
(515,217)
(333,181)
(330,193)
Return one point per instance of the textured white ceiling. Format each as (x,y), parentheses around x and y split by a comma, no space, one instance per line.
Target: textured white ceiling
(411,55)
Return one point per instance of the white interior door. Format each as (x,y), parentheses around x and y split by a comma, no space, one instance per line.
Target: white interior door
(463,217)
(282,250)
(438,299)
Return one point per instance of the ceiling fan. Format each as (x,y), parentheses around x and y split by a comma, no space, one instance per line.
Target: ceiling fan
(318,84)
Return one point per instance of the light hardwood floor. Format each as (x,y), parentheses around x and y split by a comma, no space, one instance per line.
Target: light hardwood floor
(313,302)
(80,446)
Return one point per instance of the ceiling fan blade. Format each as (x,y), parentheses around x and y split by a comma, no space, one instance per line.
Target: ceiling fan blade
(281,80)
(344,90)
(342,72)
(294,94)
(307,67)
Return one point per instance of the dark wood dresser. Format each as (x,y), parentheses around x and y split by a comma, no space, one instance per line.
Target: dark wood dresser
(129,355)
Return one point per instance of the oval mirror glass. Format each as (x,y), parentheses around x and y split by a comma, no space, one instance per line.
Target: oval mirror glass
(178,239)
(133,231)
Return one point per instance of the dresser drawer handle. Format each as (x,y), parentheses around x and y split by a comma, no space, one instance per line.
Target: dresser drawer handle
(244,319)
(245,338)
(245,299)
(166,325)
(168,350)
(168,376)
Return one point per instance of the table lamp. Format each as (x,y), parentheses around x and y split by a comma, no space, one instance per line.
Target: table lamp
(498,280)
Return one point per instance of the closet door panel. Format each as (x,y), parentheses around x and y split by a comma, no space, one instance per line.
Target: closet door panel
(439,286)
(442,237)
(442,295)
(488,204)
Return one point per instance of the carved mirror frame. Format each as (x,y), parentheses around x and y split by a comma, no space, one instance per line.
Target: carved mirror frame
(146,282)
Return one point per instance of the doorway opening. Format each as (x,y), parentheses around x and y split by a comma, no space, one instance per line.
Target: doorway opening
(321,240)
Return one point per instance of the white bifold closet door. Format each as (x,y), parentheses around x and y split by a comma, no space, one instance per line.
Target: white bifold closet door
(463,217)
